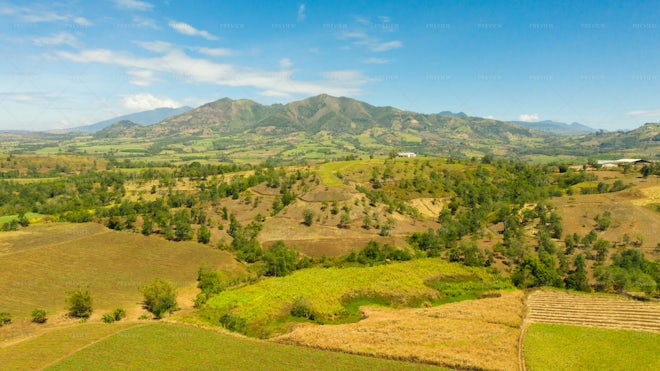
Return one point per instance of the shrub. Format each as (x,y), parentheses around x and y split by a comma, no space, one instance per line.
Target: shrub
(234,323)
(39,316)
(80,304)
(5,318)
(302,308)
(108,318)
(119,314)
(159,298)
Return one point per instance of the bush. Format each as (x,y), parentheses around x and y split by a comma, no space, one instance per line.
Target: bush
(108,318)
(302,308)
(39,316)
(119,314)
(5,318)
(159,298)
(80,304)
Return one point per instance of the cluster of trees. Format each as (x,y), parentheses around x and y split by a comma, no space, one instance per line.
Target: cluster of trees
(375,254)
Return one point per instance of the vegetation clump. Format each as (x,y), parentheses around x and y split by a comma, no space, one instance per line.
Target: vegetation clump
(160,298)
(80,304)
(39,316)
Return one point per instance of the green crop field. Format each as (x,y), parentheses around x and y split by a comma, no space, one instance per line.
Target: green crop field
(162,346)
(40,351)
(563,347)
(329,291)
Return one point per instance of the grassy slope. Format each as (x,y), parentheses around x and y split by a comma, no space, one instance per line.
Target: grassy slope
(42,263)
(165,347)
(327,289)
(562,347)
(53,345)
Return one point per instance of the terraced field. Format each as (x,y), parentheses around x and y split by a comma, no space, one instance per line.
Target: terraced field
(550,306)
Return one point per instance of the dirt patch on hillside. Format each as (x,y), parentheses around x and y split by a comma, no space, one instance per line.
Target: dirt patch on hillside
(477,334)
(429,207)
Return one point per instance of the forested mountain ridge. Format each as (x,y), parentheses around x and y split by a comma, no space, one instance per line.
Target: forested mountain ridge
(325,127)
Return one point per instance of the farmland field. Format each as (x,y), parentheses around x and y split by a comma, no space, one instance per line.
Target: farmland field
(475,334)
(182,347)
(50,346)
(327,290)
(563,347)
(44,262)
(608,311)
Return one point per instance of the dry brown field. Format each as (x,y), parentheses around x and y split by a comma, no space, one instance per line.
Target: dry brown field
(607,311)
(476,334)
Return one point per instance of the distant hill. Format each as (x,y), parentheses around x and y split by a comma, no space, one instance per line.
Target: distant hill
(124,128)
(559,128)
(324,113)
(141,118)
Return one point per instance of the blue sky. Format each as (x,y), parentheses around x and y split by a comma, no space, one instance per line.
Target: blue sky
(71,63)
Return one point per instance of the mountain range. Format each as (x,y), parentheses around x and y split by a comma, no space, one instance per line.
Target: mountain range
(555,127)
(344,125)
(143,118)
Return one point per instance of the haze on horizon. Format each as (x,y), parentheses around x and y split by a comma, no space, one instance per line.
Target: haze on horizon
(75,63)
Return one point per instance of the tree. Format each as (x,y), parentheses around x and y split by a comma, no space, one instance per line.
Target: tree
(80,304)
(386,228)
(279,260)
(344,220)
(603,221)
(577,279)
(159,297)
(210,283)
(308,217)
(203,234)
(39,316)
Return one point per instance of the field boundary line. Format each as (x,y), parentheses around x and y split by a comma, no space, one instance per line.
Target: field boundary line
(55,362)
(523,331)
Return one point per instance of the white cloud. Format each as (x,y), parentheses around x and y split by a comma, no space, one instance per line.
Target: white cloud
(382,47)
(145,22)
(490,117)
(529,117)
(199,70)
(134,4)
(275,94)
(156,46)
(38,14)
(375,61)
(217,52)
(644,113)
(285,63)
(186,29)
(384,19)
(301,13)
(62,38)
(81,21)
(145,102)
(141,77)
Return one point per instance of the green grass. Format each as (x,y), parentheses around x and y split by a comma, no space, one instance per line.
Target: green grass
(562,347)
(162,346)
(55,344)
(328,291)
(32,217)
